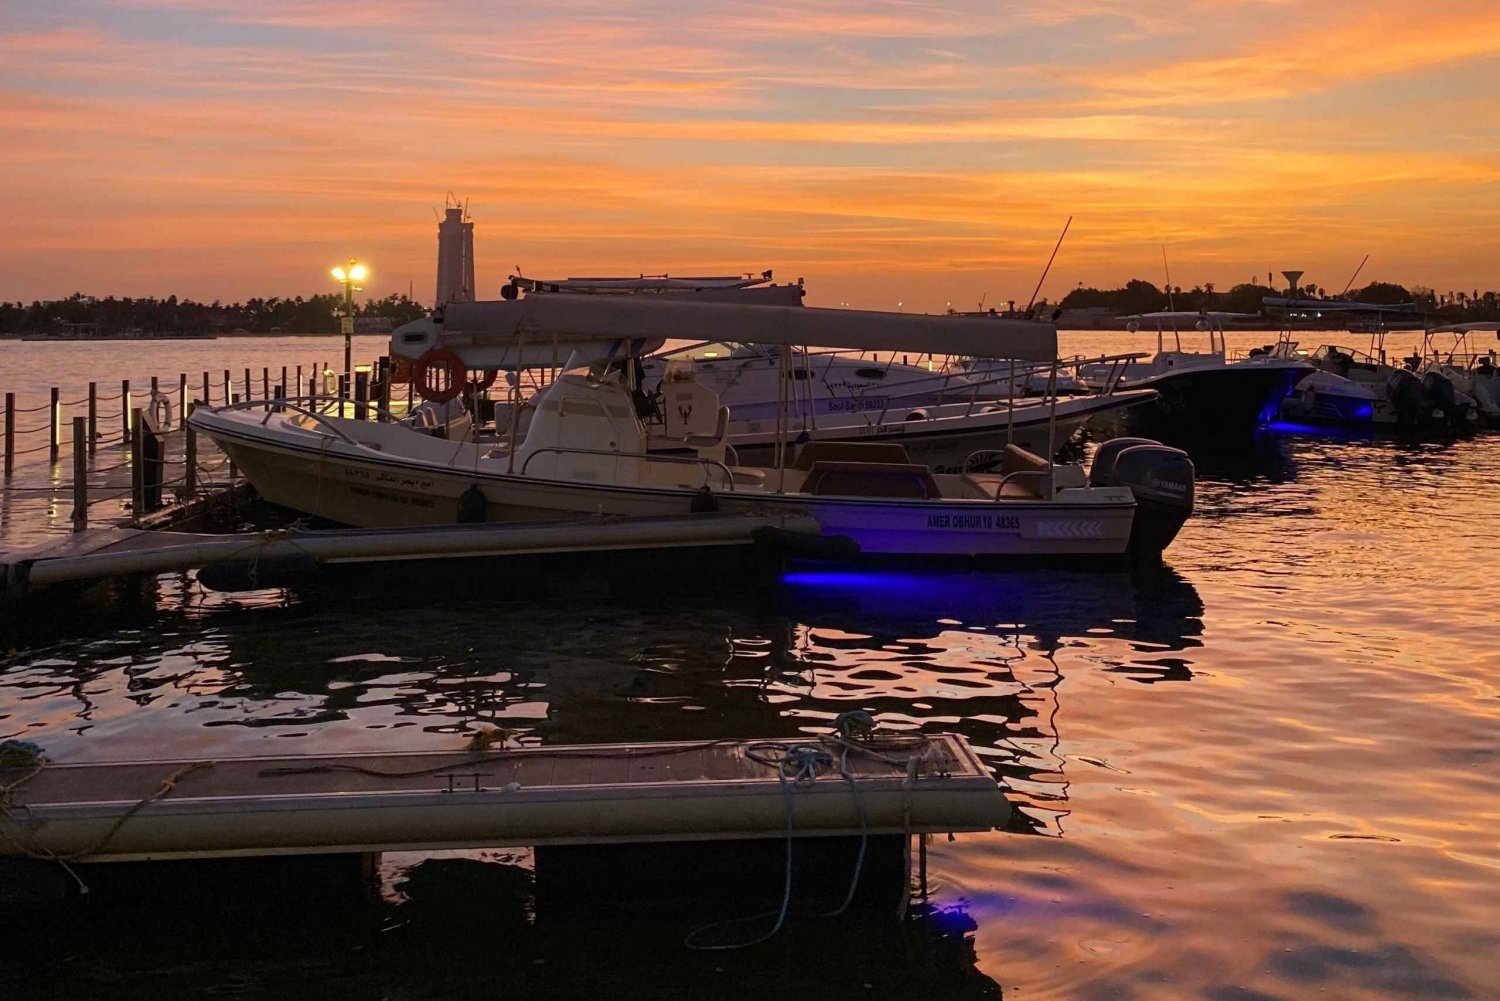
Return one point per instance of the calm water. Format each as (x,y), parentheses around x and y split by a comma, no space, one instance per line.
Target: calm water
(1267,772)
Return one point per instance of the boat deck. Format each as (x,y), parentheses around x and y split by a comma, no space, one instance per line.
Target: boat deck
(572,794)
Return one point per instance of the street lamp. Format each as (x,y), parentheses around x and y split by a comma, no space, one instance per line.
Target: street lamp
(349,277)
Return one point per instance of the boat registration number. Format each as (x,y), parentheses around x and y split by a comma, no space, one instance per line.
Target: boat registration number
(969,522)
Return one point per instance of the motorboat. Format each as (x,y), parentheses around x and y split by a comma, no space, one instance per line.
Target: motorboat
(940,412)
(1362,390)
(1474,373)
(585,450)
(1204,394)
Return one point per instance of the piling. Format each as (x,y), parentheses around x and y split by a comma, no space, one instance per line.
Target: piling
(125,408)
(54,422)
(137,469)
(227,388)
(189,452)
(9,434)
(182,400)
(93,417)
(383,375)
(248,394)
(361,394)
(81,446)
(265,382)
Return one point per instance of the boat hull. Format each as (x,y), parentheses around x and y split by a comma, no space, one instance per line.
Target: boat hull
(368,488)
(1209,403)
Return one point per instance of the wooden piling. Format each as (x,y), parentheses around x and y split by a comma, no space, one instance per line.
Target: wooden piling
(81,445)
(137,469)
(125,409)
(54,425)
(248,393)
(189,452)
(182,400)
(93,417)
(207,396)
(228,392)
(10,434)
(265,382)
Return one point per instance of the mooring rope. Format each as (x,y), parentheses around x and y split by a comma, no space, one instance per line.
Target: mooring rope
(11,811)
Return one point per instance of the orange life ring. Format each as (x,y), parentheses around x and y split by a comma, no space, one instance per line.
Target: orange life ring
(457,378)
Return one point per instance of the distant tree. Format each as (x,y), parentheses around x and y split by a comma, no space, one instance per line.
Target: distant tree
(1383,294)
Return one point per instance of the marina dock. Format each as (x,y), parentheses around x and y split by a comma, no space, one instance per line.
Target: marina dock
(246,561)
(591,794)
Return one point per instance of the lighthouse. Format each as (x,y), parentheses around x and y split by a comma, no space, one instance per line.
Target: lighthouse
(455,269)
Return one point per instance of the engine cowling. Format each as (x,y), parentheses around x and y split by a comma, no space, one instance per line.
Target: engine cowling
(1163,481)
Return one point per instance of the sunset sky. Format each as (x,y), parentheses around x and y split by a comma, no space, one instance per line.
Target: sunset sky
(888,152)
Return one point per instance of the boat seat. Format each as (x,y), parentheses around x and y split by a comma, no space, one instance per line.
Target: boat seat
(1015,459)
(995,486)
(850,451)
(871,479)
(748,476)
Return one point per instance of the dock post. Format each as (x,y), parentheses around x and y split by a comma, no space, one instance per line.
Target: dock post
(300,384)
(137,472)
(125,411)
(248,393)
(207,396)
(155,392)
(361,395)
(182,400)
(189,452)
(227,392)
(81,446)
(93,417)
(54,422)
(10,434)
(153,460)
(283,382)
(384,376)
(265,382)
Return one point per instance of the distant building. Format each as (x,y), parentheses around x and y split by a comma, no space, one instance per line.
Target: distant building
(373,324)
(455,271)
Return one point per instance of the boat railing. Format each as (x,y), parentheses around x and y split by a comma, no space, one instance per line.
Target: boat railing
(707,464)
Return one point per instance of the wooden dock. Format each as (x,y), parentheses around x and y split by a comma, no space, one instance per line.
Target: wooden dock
(591,794)
(247,561)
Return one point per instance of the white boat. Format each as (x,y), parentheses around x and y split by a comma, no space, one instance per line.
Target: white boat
(1362,390)
(1474,373)
(585,450)
(1203,394)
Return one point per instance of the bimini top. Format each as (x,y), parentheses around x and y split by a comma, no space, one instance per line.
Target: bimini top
(1338,305)
(544,330)
(1465,328)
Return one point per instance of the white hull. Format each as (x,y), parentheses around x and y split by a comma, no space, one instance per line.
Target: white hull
(356,484)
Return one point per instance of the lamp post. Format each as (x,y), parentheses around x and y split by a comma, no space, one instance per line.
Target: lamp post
(349,277)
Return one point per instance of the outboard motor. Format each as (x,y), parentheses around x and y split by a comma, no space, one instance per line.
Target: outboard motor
(1162,480)
(1409,401)
(1441,396)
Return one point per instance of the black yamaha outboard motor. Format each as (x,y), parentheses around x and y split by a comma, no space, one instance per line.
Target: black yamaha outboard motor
(1162,480)
(1441,396)
(1409,401)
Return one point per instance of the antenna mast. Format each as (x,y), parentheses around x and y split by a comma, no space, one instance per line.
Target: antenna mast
(1049,264)
(1170,304)
(1354,276)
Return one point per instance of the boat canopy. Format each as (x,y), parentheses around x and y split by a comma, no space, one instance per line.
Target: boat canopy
(1185,315)
(1339,305)
(531,332)
(1465,328)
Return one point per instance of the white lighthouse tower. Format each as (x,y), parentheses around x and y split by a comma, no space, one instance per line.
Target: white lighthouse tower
(455,270)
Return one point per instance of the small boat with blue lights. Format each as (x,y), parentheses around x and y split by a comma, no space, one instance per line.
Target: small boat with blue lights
(585,449)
